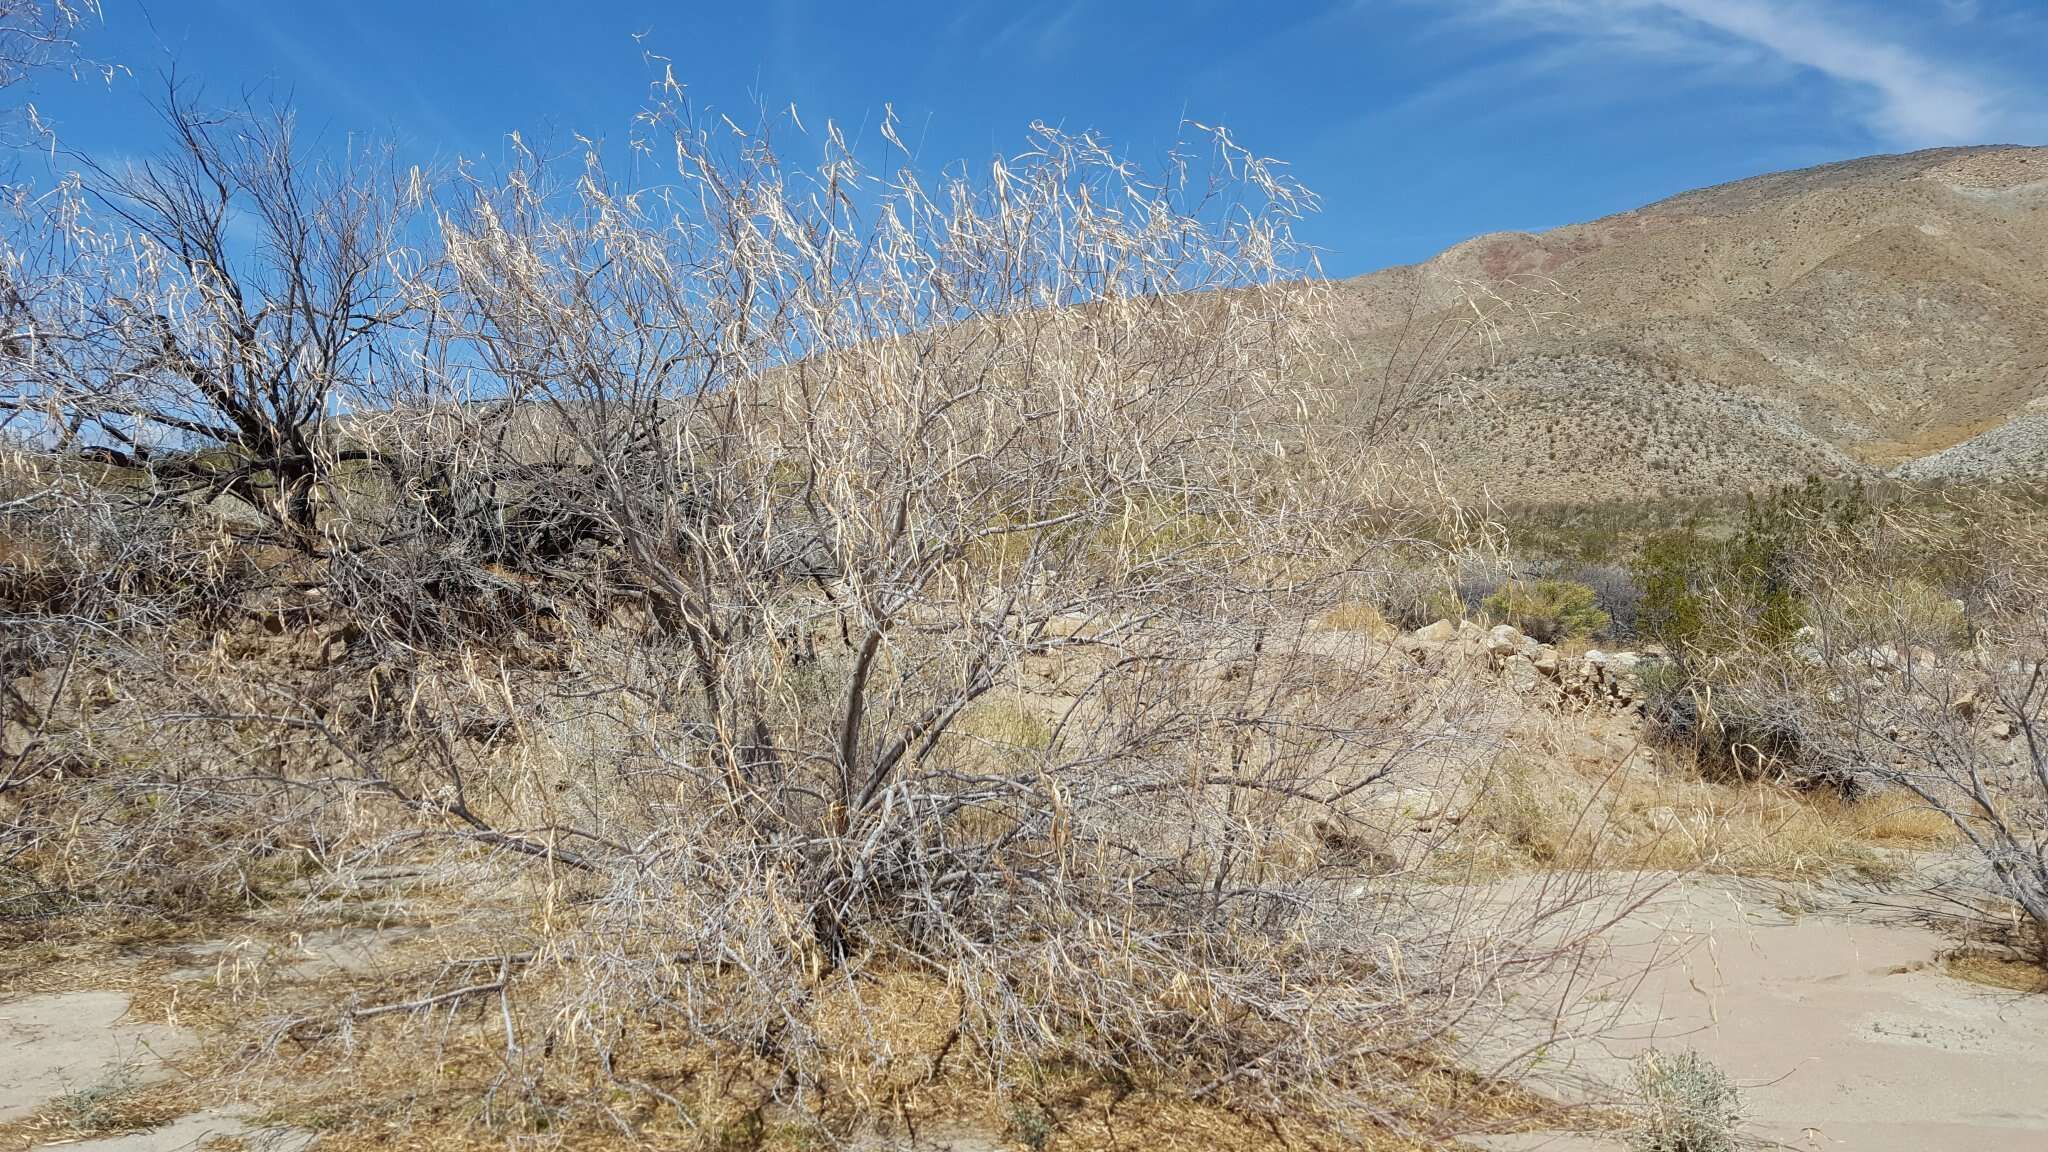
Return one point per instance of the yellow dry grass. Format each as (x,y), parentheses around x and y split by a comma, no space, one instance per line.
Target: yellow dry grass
(1997,970)
(1558,800)
(112,1106)
(1359,616)
(894,1068)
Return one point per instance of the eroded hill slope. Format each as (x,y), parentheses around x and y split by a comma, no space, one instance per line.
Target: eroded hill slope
(1853,318)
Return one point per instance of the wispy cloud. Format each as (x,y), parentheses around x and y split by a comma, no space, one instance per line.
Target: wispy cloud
(1900,90)
(1040,34)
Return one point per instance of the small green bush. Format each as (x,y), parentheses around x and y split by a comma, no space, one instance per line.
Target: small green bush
(1549,610)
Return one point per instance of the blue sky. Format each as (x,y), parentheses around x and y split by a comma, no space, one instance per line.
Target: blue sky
(1419,122)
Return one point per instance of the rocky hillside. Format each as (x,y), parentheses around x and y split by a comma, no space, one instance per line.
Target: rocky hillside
(1881,315)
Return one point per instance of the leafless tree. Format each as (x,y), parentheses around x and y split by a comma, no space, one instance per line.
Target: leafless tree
(205,318)
(39,34)
(1961,723)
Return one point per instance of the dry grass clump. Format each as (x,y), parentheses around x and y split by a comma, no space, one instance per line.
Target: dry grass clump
(1568,798)
(2015,972)
(1684,1104)
(1359,616)
(116,1104)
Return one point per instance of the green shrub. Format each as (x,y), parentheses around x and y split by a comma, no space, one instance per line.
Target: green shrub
(1549,610)
(1674,570)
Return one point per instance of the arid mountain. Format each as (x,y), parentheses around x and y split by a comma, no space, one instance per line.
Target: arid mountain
(1885,314)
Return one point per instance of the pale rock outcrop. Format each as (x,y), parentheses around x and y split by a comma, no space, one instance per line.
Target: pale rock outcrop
(1441,632)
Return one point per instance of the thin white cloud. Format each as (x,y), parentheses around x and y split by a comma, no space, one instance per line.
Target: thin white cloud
(1899,91)
(1041,35)
(1918,100)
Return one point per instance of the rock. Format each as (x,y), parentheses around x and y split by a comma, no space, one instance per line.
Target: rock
(1521,674)
(1505,640)
(1545,659)
(1441,632)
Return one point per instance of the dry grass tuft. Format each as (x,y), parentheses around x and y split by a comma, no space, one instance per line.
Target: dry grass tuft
(1997,969)
(1581,792)
(1899,820)
(1359,616)
(118,1102)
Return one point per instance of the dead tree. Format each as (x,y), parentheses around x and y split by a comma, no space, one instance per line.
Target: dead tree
(206,318)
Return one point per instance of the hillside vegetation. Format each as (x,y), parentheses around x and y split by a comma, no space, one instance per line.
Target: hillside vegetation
(1883,314)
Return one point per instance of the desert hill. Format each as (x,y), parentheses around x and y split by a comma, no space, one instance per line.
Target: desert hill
(1885,314)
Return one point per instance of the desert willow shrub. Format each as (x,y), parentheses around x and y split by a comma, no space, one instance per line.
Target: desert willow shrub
(973,528)
(1952,710)
(820,574)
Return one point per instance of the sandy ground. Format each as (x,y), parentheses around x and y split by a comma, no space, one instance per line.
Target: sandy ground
(58,1044)
(193,1133)
(55,1045)
(1841,1030)
(51,1046)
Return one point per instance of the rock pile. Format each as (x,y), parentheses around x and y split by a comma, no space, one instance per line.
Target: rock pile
(1609,679)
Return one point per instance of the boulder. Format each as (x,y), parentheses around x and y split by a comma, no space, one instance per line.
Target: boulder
(1504,641)
(1441,632)
(1521,674)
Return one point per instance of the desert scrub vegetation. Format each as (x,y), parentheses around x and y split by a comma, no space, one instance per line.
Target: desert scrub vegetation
(1549,610)
(1684,1104)
(1957,724)
(1858,645)
(765,601)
